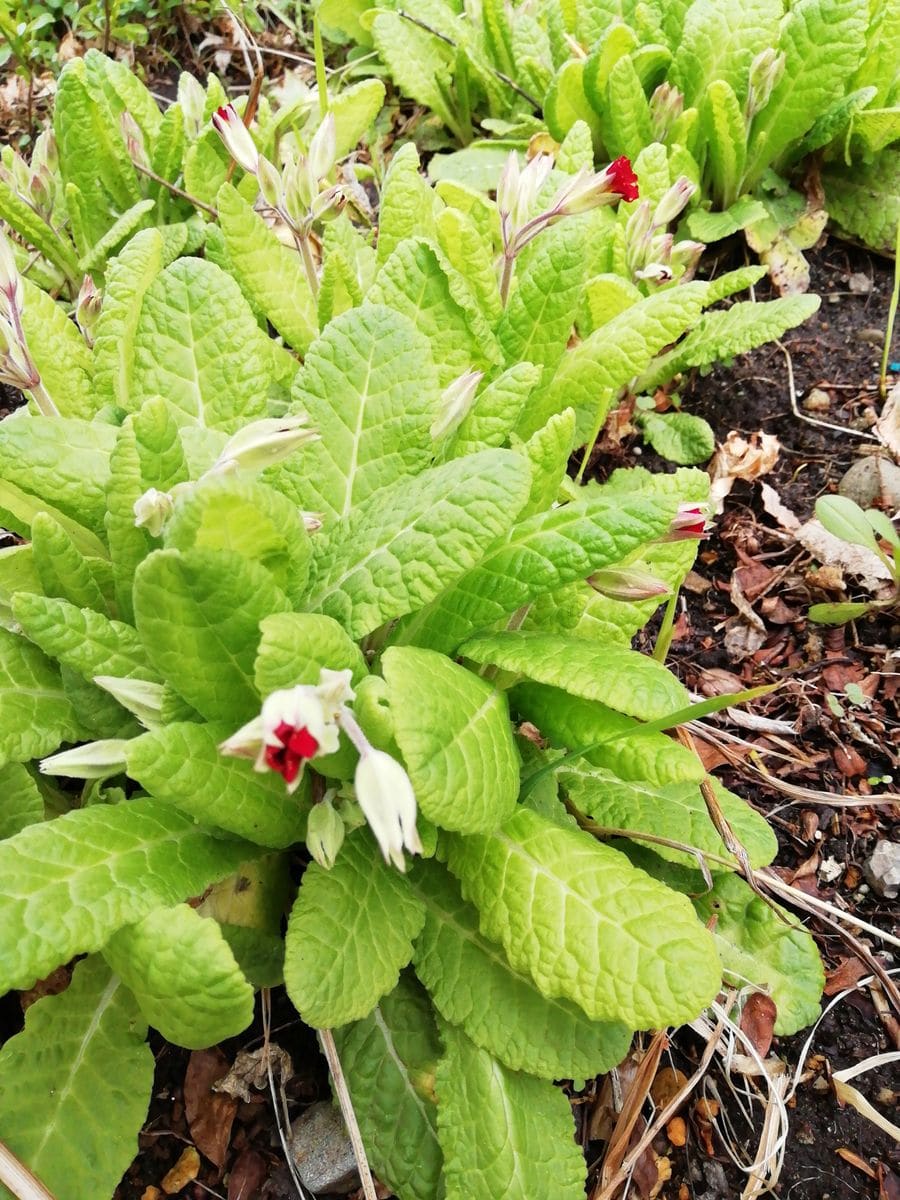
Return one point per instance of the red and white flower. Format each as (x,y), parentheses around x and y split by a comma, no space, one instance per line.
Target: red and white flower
(688,522)
(236,136)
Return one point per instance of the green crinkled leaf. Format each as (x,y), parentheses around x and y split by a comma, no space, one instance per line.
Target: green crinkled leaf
(63,460)
(500,1009)
(181,765)
(389,1060)
(183,976)
(539,316)
(349,936)
(624,680)
(59,352)
(676,811)
(408,205)
(371,390)
(565,102)
(590,376)
(68,884)
(21,802)
(724,132)
(198,613)
(197,344)
(63,570)
(494,413)
(86,641)
(470,253)
(628,124)
(294,648)
(128,276)
(864,200)
(713,226)
(167,159)
(393,554)
(420,65)
(206,165)
(18,509)
(454,734)
(538,555)
(607,296)
(548,451)
(678,436)
(246,518)
(83,1073)
(128,545)
(161,454)
(503,1133)
(99,716)
(355,109)
(823,41)
(413,281)
(270,273)
(121,229)
(35,714)
(118,83)
(37,232)
(720,43)
(574,724)
(585,924)
(727,332)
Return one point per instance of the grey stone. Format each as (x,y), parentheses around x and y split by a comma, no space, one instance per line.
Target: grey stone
(883,869)
(322,1151)
(871,480)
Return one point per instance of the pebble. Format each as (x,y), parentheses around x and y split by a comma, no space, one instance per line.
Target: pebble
(872,480)
(322,1151)
(883,869)
(817,401)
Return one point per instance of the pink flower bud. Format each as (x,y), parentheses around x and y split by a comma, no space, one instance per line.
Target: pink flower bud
(236,136)
(689,522)
(11,292)
(627,583)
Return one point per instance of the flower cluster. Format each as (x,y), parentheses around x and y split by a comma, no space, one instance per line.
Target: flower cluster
(17,367)
(300,724)
(652,253)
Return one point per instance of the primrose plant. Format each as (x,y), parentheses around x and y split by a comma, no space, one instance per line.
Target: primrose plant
(354,604)
(873,530)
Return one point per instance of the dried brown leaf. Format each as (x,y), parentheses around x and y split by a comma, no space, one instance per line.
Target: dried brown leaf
(758,1021)
(210,1114)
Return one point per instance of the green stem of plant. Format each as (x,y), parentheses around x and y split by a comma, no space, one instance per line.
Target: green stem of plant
(664,637)
(509,261)
(42,399)
(892,316)
(308,263)
(321,78)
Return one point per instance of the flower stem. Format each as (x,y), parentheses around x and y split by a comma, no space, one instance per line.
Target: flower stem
(509,261)
(302,240)
(664,637)
(42,399)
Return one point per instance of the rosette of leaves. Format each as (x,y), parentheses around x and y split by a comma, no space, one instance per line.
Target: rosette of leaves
(115,165)
(448,576)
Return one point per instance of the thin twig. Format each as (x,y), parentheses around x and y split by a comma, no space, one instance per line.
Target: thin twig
(20,1181)
(801,416)
(326,1040)
(282,1118)
(176,191)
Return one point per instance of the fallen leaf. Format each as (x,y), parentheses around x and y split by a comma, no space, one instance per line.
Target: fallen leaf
(250,1070)
(210,1114)
(746,632)
(151,1193)
(758,1021)
(851,1157)
(773,505)
(247,1175)
(848,761)
(832,551)
(184,1172)
(888,1183)
(740,458)
(872,480)
(663,1175)
(848,972)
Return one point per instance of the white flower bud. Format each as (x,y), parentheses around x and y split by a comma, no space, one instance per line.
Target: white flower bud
(674,201)
(386,796)
(455,403)
(269,179)
(323,148)
(139,696)
(264,443)
(192,99)
(152,510)
(237,138)
(94,760)
(11,291)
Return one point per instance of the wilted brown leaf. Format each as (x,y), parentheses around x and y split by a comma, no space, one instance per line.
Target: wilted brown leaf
(844,975)
(758,1021)
(250,1070)
(210,1114)
(247,1175)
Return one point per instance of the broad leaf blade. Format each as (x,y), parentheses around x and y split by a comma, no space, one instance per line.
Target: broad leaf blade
(35,713)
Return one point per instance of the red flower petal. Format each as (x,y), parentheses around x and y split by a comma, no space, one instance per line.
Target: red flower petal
(623,179)
(303,743)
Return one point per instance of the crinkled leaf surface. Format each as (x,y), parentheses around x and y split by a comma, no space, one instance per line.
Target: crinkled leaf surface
(538,555)
(294,648)
(350,934)
(35,714)
(21,802)
(585,924)
(71,882)
(198,345)
(59,352)
(720,42)
(127,278)
(503,1133)
(198,613)
(454,734)
(624,680)
(389,1059)
(370,388)
(180,764)
(473,985)
(183,976)
(396,552)
(77,1085)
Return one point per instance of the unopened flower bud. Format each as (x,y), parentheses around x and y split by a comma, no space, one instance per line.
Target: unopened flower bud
(456,401)
(152,510)
(328,204)
(134,140)
(45,152)
(666,106)
(11,291)
(94,760)
(324,833)
(674,201)
(628,583)
(269,179)
(687,254)
(508,186)
(655,272)
(766,71)
(323,148)
(139,696)
(21,174)
(264,443)
(639,224)
(192,99)
(386,796)
(40,189)
(87,308)
(300,189)
(530,182)
(236,136)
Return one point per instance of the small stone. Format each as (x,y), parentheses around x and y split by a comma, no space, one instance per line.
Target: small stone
(322,1151)
(872,480)
(883,869)
(817,401)
(873,337)
(860,283)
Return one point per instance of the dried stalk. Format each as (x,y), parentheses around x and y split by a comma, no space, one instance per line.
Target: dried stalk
(326,1039)
(20,1181)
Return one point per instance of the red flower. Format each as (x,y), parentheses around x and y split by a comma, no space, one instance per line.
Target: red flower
(689,522)
(622,179)
(297,745)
